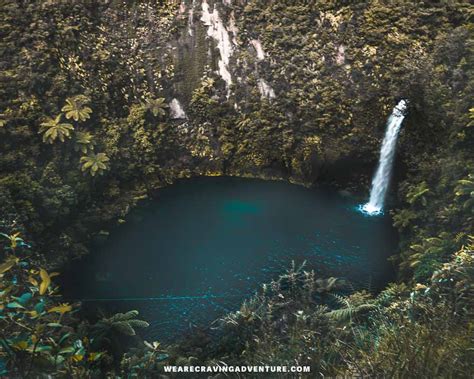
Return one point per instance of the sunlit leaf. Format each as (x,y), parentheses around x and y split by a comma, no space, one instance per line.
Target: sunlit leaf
(94,163)
(46,281)
(94,356)
(33,314)
(77,357)
(4,267)
(33,281)
(20,345)
(64,338)
(62,308)
(54,325)
(53,129)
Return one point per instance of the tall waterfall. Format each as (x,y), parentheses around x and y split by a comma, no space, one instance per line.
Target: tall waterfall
(217,30)
(381,178)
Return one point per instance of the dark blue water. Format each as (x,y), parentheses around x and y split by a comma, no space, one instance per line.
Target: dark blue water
(204,245)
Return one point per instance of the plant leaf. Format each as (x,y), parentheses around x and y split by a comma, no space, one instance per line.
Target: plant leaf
(46,281)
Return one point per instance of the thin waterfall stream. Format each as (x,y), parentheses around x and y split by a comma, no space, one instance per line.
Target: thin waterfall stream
(381,179)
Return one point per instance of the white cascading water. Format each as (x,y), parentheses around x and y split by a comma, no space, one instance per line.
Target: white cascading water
(217,30)
(176,110)
(265,89)
(258,48)
(381,178)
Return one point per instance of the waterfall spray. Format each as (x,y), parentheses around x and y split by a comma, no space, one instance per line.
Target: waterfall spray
(381,178)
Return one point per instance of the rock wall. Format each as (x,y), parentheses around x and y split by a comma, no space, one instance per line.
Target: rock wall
(297,91)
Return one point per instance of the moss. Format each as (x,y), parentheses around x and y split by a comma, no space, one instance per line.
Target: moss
(190,62)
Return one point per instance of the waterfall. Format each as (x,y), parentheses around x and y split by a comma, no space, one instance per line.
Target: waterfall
(381,178)
(217,30)
(265,89)
(191,22)
(176,110)
(258,48)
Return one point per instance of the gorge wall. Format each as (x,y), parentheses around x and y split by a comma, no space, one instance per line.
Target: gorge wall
(296,91)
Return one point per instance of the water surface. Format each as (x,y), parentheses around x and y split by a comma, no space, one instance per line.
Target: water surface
(203,245)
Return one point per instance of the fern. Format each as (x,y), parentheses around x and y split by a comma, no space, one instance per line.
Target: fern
(156,106)
(123,323)
(76,108)
(350,307)
(53,129)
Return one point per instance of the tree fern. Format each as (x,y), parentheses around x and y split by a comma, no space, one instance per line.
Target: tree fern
(156,106)
(83,141)
(76,108)
(94,163)
(123,323)
(53,129)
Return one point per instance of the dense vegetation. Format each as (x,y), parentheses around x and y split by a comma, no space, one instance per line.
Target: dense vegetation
(86,132)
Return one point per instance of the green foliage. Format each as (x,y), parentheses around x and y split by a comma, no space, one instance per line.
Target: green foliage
(421,331)
(418,194)
(351,307)
(38,335)
(404,218)
(94,164)
(76,108)
(465,192)
(83,142)
(53,129)
(426,257)
(156,106)
(146,361)
(14,240)
(425,348)
(471,117)
(122,323)
(41,335)
(429,334)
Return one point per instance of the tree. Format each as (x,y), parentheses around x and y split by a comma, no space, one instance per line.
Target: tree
(53,129)
(156,106)
(94,163)
(83,142)
(76,108)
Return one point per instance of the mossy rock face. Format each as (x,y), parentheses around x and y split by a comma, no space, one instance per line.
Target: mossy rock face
(336,71)
(311,109)
(191,56)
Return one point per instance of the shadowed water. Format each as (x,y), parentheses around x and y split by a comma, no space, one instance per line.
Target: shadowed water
(206,244)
